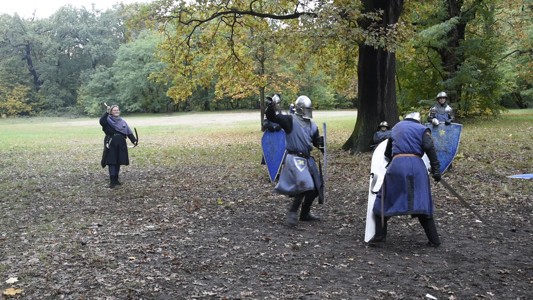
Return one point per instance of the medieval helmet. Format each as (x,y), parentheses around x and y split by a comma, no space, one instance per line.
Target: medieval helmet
(304,107)
(413,116)
(276,99)
(384,124)
(442,95)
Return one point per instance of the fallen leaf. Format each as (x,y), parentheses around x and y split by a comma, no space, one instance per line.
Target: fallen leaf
(12,291)
(12,280)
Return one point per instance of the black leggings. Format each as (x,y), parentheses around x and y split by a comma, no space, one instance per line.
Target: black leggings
(113,169)
(427,222)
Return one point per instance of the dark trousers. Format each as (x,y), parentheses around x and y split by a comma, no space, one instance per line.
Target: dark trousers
(307,198)
(427,223)
(113,169)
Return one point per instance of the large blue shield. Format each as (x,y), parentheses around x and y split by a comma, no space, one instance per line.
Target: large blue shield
(273,144)
(446,138)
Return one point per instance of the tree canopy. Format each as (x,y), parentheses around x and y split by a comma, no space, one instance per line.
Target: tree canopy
(385,58)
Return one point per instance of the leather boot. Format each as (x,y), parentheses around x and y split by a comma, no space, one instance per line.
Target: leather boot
(381,232)
(111,181)
(431,230)
(305,214)
(116,180)
(292,219)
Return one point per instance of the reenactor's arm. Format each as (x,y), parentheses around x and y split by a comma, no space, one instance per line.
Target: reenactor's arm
(429,148)
(432,112)
(318,141)
(451,115)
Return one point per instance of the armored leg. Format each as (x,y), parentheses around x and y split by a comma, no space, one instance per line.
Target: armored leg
(428,224)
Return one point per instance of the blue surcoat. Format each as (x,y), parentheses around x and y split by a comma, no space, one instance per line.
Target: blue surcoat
(300,173)
(406,188)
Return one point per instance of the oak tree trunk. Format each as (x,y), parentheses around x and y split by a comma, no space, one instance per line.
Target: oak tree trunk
(376,82)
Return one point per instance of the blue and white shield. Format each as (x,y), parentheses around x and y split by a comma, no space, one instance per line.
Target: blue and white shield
(446,139)
(273,144)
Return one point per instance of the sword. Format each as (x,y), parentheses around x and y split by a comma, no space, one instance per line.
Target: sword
(447,186)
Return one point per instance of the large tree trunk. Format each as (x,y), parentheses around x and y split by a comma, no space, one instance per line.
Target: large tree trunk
(27,57)
(376,83)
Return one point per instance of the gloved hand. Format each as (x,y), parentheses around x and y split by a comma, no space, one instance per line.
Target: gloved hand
(269,102)
(447,122)
(436,175)
(271,128)
(277,128)
(320,141)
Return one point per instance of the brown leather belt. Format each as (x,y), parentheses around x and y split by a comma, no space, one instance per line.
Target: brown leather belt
(406,154)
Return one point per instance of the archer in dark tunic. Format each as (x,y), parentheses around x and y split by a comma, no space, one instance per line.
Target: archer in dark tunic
(115,148)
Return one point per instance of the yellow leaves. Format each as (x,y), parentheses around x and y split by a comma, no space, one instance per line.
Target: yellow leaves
(12,292)
(14,99)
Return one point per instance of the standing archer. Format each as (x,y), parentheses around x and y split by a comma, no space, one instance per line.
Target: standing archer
(115,148)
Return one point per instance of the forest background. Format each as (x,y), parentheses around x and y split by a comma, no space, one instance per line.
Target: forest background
(169,56)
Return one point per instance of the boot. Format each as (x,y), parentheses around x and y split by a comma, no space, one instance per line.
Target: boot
(376,239)
(292,219)
(309,217)
(305,214)
(381,232)
(431,230)
(116,180)
(111,181)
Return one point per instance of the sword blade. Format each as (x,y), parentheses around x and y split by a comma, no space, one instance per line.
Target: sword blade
(449,188)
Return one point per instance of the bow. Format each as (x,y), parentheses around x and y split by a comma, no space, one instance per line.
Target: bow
(136,137)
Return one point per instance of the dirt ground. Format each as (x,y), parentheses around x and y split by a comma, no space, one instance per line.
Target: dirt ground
(215,231)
